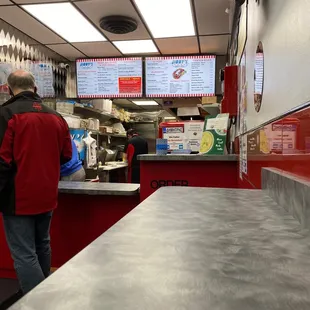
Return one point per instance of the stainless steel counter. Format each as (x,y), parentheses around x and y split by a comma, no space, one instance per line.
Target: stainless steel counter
(191,249)
(154,157)
(105,189)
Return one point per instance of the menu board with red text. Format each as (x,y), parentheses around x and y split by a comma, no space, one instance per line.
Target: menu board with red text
(186,76)
(109,77)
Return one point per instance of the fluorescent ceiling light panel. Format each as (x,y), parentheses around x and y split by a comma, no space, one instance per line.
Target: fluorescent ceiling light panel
(168,18)
(136,46)
(65,20)
(145,102)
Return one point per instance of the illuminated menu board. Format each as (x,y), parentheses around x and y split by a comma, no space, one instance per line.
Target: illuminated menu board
(188,76)
(109,77)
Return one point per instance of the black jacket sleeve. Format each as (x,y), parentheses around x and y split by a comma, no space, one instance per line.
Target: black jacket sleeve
(6,146)
(66,151)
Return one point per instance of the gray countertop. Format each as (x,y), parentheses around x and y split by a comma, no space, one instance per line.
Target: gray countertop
(154,157)
(104,189)
(188,249)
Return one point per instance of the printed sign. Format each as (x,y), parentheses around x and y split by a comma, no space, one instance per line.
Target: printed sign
(184,136)
(193,135)
(214,135)
(244,155)
(279,137)
(43,73)
(175,136)
(5,71)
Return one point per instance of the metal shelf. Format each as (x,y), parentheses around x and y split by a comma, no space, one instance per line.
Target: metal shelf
(98,133)
(91,112)
(107,134)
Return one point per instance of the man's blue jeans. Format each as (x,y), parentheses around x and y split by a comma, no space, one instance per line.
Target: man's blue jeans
(29,242)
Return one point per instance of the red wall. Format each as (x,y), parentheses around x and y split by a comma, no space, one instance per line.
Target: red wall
(288,148)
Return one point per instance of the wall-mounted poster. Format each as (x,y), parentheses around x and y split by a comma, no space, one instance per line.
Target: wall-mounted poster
(243,110)
(5,71)
(244,155)
(43,73)
(242,96)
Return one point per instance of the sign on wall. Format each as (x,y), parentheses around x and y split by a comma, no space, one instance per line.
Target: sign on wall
(5,71)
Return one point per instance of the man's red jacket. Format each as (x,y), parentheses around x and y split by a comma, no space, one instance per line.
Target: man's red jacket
(34,142)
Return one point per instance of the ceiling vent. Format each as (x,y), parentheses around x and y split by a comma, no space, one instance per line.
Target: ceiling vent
(118,24)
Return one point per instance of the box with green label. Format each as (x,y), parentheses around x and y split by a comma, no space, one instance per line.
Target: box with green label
(214,135)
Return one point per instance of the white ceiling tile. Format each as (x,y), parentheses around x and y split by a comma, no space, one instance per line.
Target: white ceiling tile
(36,1)
(66,50)
(4,2)
(23,21)
(187,45)
(214,44)
(98,49)
(96,9)
(211,16)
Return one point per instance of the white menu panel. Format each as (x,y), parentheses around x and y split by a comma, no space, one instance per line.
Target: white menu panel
(192,76)
(109,77)
(259,73)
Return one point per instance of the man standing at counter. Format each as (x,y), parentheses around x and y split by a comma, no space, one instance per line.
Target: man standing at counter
(34,142)
(136,146)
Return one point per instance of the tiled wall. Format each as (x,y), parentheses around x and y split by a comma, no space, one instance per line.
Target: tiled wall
(282,144)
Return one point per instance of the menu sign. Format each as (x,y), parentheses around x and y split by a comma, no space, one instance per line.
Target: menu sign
(175,136)
(259,73)
(43,73)
(109,77)
(253,143)
(192,76)
(184,136)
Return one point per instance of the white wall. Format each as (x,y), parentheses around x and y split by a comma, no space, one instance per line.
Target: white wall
(284,28)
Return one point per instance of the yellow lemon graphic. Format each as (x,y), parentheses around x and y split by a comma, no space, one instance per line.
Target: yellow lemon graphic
(207,142)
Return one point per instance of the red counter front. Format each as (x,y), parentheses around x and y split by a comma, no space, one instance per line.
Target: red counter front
(78,220)
(170,170)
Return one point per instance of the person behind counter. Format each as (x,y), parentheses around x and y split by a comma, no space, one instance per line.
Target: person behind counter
(73,170)
(34,142)
(136,146)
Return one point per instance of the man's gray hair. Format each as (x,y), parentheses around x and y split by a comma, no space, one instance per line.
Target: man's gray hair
(21,80)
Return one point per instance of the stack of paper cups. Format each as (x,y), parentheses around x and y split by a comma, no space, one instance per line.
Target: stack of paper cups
(161,146)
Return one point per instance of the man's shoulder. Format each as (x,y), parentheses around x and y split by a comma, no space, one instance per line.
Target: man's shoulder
(22,105)
(137,139)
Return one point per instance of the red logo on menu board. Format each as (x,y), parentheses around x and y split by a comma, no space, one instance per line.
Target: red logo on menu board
(130,85)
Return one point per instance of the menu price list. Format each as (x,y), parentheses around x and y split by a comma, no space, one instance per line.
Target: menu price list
(259,73)
(109,77)
(184,76)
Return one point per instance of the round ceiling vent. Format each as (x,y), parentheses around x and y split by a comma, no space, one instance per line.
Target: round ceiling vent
(118,24)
